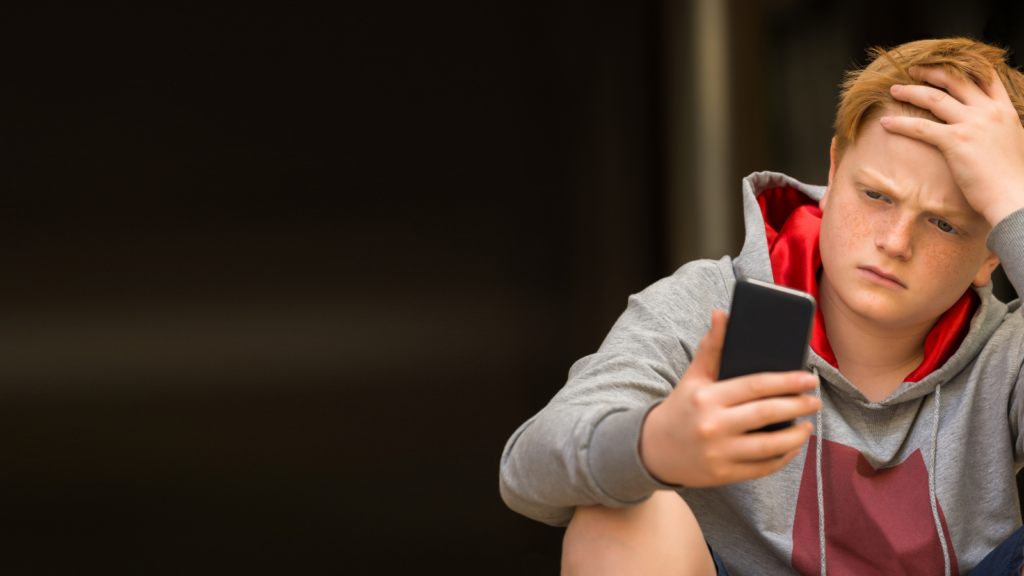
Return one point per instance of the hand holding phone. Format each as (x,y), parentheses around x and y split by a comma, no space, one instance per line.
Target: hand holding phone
(769,330)
(699,434)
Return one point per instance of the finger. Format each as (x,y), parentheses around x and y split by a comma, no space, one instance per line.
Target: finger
(756,386)
(918,128)
(760,413)
(967,92)
(751,470)
(943,105)
(763,446)
(708,357)
(996,90)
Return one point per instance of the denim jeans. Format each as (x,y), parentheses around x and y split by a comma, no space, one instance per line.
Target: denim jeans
(1005,560)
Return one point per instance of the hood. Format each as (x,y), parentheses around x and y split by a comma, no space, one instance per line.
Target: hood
(782,221)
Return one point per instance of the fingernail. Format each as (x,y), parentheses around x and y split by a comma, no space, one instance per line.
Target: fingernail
(809,381)
(896,88)
(886,120)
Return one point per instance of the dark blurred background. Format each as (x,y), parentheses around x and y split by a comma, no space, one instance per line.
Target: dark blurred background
(279,281)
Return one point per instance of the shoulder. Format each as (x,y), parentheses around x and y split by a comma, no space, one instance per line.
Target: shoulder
(679,306)
(701,285)
(1007,320)
(653,341)
(1000,331)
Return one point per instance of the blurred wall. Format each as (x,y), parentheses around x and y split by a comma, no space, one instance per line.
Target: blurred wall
(279,281)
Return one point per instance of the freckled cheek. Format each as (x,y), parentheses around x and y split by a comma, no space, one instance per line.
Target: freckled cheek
(951,266)
(844,234)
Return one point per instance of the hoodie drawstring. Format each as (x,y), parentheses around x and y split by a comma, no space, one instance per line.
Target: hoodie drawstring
(821,493)
(931,480)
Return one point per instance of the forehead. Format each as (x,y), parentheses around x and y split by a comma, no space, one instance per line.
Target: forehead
(902,167)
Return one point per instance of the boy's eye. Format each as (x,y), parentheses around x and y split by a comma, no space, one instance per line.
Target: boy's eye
(875,195)
(943,226)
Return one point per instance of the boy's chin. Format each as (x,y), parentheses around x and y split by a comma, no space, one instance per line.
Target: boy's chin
(883,311)
(887,312)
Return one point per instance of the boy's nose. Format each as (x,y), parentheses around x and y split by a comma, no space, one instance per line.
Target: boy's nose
(895,238)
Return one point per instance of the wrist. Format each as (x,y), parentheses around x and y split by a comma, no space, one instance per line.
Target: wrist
(996,214)
(652,440)
(1006,205)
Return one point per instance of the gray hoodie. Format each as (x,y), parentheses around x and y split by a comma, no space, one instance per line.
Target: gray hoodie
(922,482)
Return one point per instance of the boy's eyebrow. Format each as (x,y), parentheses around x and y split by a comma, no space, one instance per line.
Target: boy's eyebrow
(880,183)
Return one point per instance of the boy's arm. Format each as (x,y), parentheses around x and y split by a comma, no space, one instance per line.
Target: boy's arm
(597,440)
(583,447)
(1006,240)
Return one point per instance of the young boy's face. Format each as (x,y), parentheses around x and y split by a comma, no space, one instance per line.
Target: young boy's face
(899,243)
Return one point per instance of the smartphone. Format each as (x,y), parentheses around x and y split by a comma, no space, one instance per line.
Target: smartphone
(769,330)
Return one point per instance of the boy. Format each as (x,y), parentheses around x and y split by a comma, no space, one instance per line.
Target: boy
(916,418)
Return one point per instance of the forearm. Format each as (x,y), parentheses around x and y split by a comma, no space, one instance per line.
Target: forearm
(572,456)
(583,448)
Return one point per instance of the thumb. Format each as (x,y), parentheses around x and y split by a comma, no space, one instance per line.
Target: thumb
(708,358)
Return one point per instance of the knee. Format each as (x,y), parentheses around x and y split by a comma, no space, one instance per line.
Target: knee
(659,536)
(594,542)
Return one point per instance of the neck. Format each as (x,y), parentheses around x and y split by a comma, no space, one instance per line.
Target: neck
(873,358)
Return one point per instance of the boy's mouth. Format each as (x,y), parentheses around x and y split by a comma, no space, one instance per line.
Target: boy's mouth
(881,277)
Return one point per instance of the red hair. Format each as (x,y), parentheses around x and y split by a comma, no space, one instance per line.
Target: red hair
(865,93)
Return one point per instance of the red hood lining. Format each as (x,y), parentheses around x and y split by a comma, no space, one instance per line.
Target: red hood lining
(792,222)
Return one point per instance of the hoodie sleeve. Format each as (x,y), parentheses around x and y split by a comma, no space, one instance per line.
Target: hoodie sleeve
(583,447)
(1006,240)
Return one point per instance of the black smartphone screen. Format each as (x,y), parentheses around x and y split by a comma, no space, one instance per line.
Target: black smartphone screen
(768,331)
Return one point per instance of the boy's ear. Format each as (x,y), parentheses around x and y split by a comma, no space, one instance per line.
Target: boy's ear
(831,174)
(985,273)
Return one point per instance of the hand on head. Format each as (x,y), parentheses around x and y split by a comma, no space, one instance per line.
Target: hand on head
(982,140)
